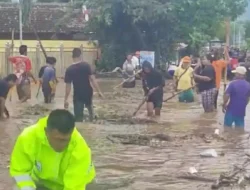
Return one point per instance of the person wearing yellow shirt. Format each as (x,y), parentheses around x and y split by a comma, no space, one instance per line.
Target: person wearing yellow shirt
(52,155)
(184,80)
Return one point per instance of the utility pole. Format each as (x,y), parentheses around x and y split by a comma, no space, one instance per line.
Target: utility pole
(20,22)
(234,34)
(227,22)
(239,35)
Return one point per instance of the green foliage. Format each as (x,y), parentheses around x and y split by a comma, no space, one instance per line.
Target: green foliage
(157,25)
(197,41)
(248,43)
(220,31)
(46,1)
(53,1)
(26,9)
(247,29)
(123,26)
(108,61)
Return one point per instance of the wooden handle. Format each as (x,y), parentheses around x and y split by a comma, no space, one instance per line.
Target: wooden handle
(41,45)
(141,104)
(226,50)
(178,93)
(128,79)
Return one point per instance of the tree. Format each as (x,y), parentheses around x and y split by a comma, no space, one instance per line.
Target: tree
(123,26)
(53,1)
(247,29)
(26,6)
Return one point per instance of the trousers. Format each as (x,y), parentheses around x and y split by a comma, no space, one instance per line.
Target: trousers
(79,110)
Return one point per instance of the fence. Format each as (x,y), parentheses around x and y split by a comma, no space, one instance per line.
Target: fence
(63,56)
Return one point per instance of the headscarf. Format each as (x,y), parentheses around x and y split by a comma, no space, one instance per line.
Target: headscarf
(148,65)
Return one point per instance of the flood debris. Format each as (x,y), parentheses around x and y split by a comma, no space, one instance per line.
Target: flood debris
(35,110)
(116,117)
(239,176)
(143,140)
(192,170)
(209,153)
(194,177)
(122,182)
(217,132)
(160,139)
(207,138)
(108,75)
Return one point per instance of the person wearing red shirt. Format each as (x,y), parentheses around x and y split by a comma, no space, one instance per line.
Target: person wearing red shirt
(22,69)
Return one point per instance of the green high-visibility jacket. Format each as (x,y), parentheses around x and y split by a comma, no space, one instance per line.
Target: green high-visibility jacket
(34,162)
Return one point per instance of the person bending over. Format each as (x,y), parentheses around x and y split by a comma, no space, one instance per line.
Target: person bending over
(153,84)
(5,85)
(52,155)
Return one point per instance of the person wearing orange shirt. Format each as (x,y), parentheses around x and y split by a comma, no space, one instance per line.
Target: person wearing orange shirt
(219,65)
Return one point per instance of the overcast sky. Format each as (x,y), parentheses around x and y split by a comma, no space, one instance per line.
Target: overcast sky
(246,15)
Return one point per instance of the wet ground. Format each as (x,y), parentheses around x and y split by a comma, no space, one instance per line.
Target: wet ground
(136,153)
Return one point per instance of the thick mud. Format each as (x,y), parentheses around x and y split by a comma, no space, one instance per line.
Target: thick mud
(135,153)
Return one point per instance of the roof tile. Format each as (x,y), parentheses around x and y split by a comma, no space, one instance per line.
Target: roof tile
(44,17)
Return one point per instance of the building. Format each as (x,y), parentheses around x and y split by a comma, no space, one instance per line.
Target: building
(46,19)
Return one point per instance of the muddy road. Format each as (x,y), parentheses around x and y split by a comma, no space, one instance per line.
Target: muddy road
(135,153)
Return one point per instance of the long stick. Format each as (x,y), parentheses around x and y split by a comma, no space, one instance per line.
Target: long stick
(145,99)
(40,43)
(128,79)
(38,91)
(141,104)
(44,53)
(226,51)
(12,50)
(178,93)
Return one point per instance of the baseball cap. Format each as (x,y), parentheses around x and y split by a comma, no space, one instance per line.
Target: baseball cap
(240,70)
(186,59)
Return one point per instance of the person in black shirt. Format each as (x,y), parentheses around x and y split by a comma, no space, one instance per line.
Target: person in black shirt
(41,71)
(81,75)
(204,75)
(5,85)
(246,64)
(153,83)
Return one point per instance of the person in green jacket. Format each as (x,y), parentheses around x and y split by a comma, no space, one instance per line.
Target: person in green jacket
(52,155)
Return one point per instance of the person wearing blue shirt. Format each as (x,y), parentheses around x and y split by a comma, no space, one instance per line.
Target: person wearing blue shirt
(236,98)
(48,80)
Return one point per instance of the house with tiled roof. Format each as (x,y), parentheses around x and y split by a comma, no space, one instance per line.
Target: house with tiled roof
(45,18)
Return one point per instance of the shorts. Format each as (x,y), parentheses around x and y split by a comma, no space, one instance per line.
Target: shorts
(230,119)
(79,106)
(157,99)
(24,89)
(187,96)
(47,93)
(208,98)
(129,84)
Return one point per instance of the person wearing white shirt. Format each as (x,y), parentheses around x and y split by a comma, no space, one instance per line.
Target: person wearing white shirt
(129,70)
(135,60)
